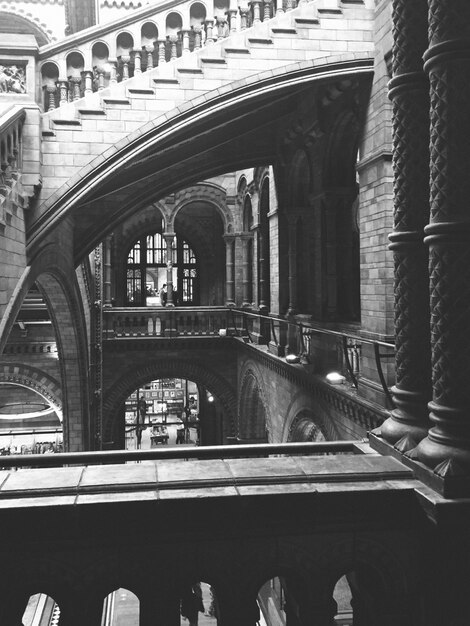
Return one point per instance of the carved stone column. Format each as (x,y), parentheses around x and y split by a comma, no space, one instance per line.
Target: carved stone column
(51,91)
(232,20)
(76,82)
(409,92)
(230,270)
(107,272)
(63,92)
(161,52)
(448,235)
(173,47)
(266,10)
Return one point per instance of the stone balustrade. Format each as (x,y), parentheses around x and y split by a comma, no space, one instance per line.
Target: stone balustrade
(91,61)
(11,125)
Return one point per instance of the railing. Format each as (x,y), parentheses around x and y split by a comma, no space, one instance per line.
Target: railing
(197,452)
(163,322)
(11,127)
(96,61)
(296,338)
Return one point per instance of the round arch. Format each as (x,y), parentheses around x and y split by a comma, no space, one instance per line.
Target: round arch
(193,370)
(15,22)
(183,123)
(36,380)
(209,194)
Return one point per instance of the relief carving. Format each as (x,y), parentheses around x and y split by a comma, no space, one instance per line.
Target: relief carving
(12,79)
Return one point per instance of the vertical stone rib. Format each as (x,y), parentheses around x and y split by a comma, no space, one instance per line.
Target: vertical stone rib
(448,235)
(409,92)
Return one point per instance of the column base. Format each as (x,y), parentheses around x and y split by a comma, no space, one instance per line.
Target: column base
(443,481)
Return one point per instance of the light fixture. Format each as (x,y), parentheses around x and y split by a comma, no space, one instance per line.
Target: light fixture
(210,398)
(334,378)
(292,358)
(223,332)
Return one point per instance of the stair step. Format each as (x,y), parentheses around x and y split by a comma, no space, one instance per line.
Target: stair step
(330,11)
(218,60)
(116,101)
(141,92)
(283,31)
(48,133)
(352,1)
(189,70)
(91,112)
(236,51)
(166,81)
(73,122)
(307,21)
(260,40)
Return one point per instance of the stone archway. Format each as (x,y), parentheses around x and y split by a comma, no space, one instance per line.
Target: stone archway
(253,421)
(36,380)
(193,370)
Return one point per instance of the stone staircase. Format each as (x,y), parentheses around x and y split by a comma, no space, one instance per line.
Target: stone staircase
(74,133)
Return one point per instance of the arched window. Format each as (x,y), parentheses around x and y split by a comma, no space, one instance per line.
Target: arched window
(146,271)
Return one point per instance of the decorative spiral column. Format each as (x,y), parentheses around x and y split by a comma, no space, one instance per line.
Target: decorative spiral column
(448,235)
(409,92)
(51,91)
(137,61)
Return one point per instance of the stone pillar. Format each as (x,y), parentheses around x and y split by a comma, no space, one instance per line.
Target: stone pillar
(246,274)
(230,270)
(173,47)
(232,20)
(448,235)
(409,92)
(279,7)
(197,38)
(266,10)
(169,238)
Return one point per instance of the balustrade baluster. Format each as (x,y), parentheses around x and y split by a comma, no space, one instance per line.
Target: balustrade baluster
(232,21)
(100,73)
(173,50)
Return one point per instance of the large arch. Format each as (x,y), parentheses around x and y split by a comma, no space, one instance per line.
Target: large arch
(254,423)
(206,127)
(13,22)
(193,369)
